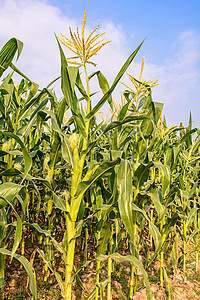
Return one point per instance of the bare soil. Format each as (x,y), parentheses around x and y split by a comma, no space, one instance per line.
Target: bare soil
(182,287)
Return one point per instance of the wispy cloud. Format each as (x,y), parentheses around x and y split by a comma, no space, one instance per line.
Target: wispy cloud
(35,22)
(179,79)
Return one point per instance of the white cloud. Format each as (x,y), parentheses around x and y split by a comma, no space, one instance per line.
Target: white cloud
(179,78)
(34,22)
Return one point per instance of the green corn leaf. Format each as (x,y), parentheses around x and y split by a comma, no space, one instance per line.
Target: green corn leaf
(116,153)
(33,119)
(192,236)
(80,123)
(104,167)
(18,232)
(73,73)
(5,115)
(27,158)
(124,186)
(47,233)
(21,74)
(153,231)
(117,79)
(25,111)
(57,275)
(85,185)
(119,258)
(2,271)
(170,223)
(8,191)
(38,228)
(157,237)
(29,270)
(169,288)
(62,107)
(12,152)
(128,119)
(59,203)
(188,136)
(55,124)
(111,126)
(105,235)
(102,285)
(147,128)
(68,80)
(158,109)
(122,113)
(23,201)
(66,150)
(160,209)
(80,87)
(190,217)
(103,83)
(41,180)
(18,235)
(154,110)
(62,140)
(52,82)
(7,53)
(165,172)
(11,172)
(91,295)
(3,218)
(57,141)
(141,174)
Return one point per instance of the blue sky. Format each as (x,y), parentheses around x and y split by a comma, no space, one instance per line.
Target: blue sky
(161,21)
(171,48)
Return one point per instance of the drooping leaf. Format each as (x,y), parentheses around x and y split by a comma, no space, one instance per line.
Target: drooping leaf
(57,275)
(165,173)
(9,191)
(124,186)
(29,270)
(119,258)
(7,53)
(27,158)
(85,185)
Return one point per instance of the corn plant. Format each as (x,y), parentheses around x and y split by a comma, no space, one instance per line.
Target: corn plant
(11,192)
(74,147)
(72,178)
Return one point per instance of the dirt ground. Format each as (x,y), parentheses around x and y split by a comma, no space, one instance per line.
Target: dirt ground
(181,287)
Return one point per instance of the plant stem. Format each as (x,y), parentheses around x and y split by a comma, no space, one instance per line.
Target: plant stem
(23,242)
(2,272)
(161,268)
(151,238)
(76,178)
(70,258)
(175,252)
(133,269)
(132,281)
(196,238)
(162,254)
(87,123)
(109,295)
(184,246)
(97,279)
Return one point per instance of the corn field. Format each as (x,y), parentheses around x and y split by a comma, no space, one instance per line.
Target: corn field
(125,186)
